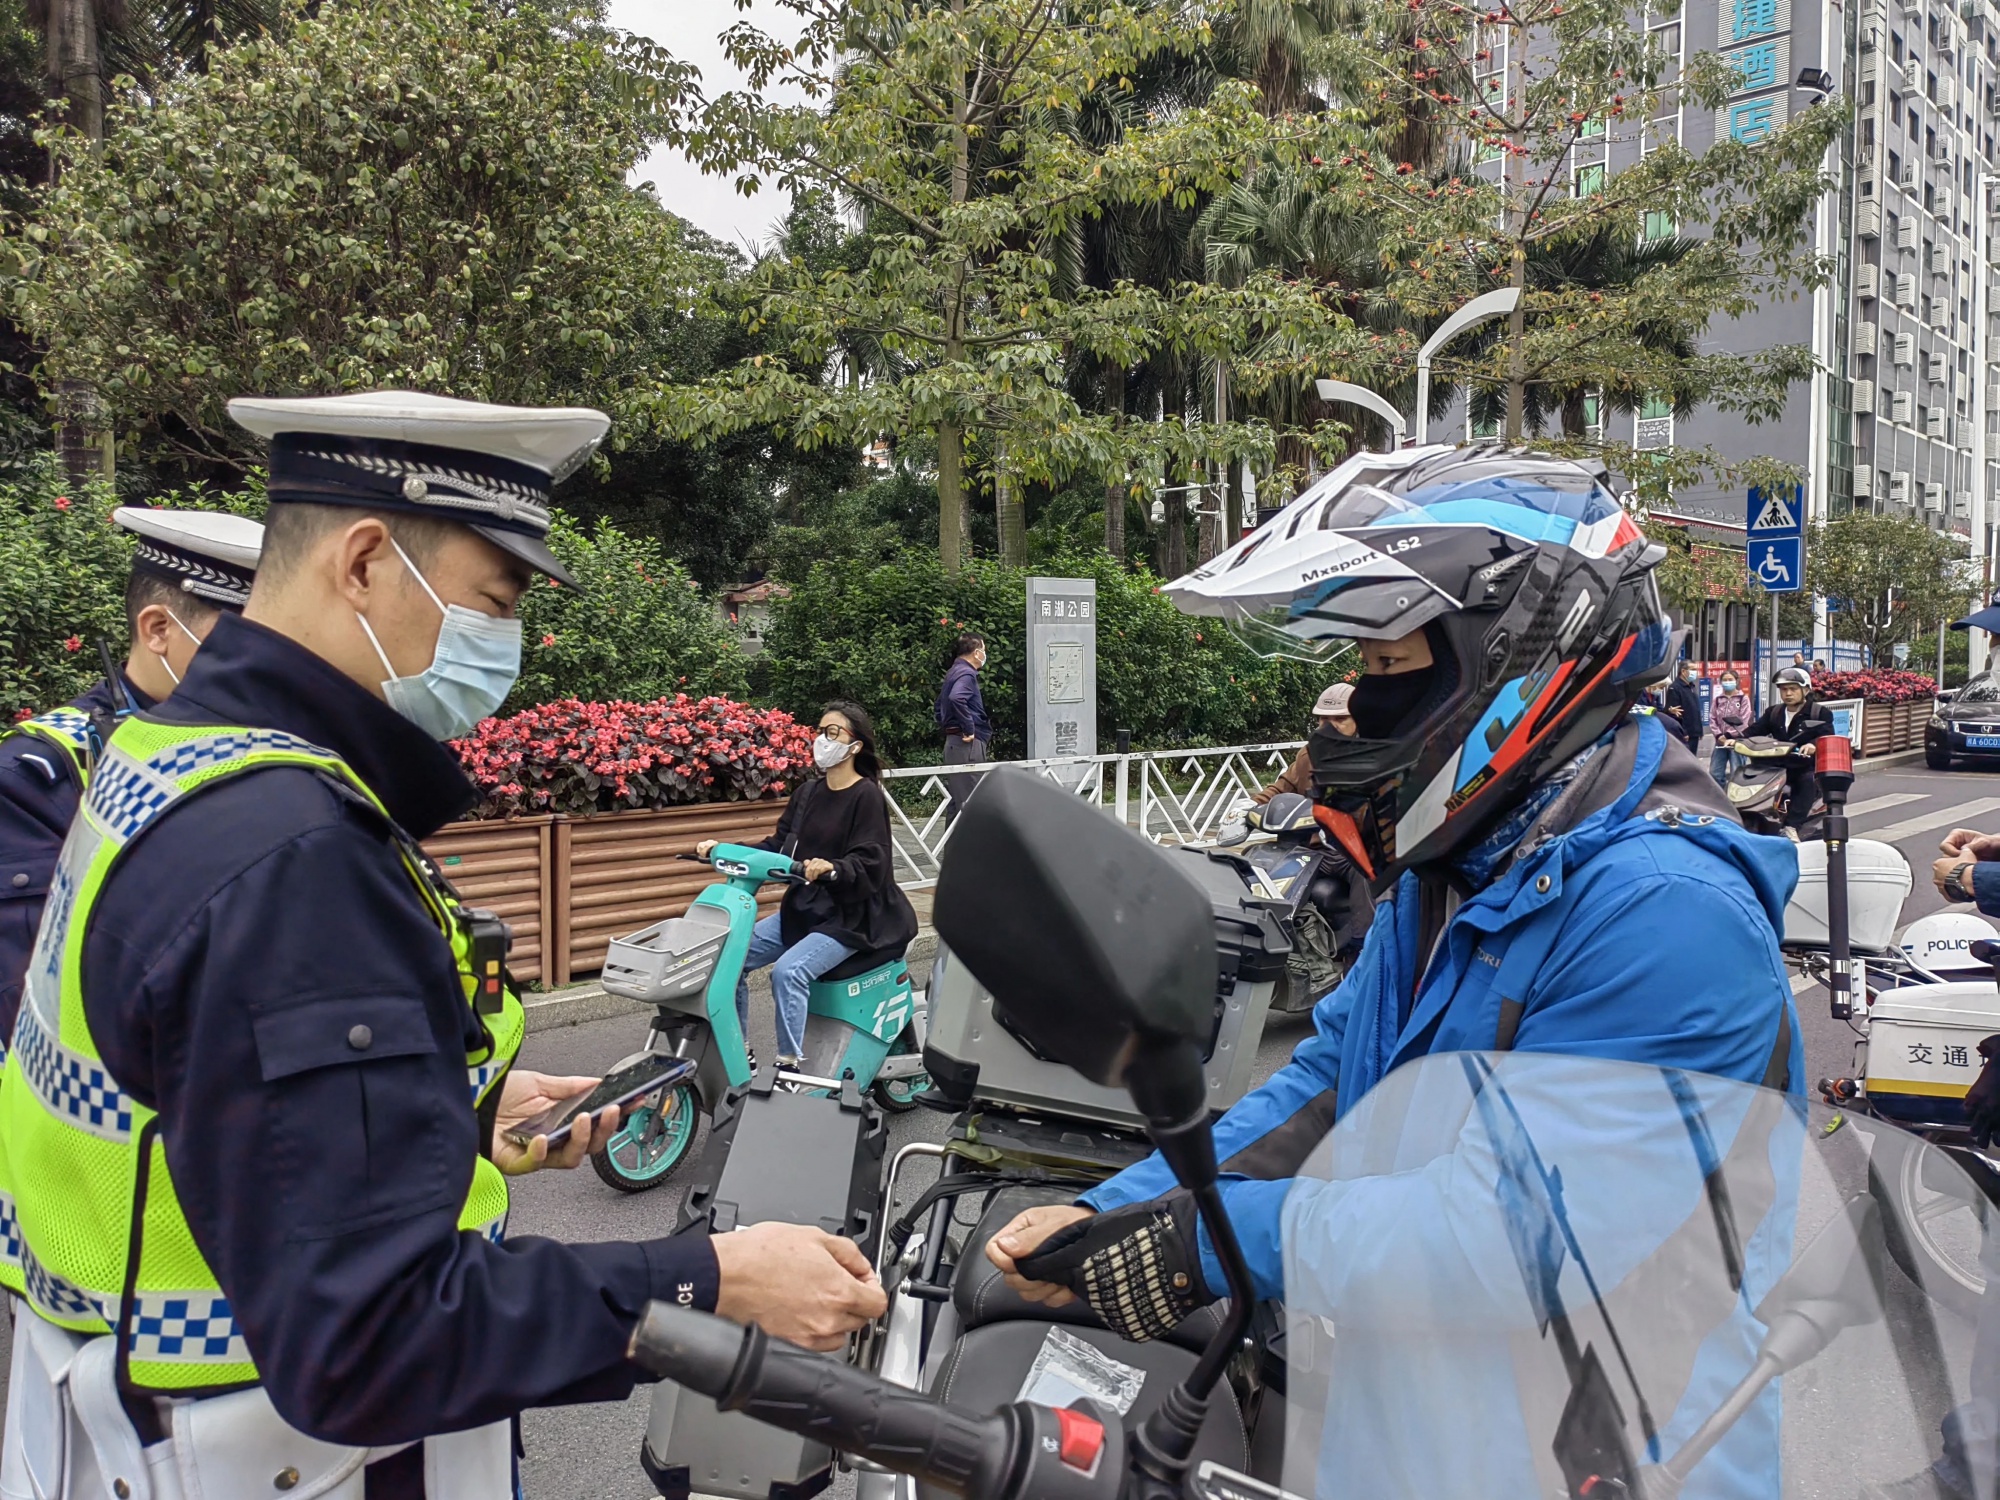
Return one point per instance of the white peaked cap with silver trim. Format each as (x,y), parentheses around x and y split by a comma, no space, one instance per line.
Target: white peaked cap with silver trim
(555,439)
(209,554)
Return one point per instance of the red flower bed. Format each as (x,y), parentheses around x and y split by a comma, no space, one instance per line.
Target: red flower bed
(1876,684)
(572,757)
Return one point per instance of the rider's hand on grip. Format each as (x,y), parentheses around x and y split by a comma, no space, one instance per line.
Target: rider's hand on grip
(1022,1235)
(796,1282)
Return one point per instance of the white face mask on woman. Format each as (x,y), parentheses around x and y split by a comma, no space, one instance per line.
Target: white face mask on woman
(829,752)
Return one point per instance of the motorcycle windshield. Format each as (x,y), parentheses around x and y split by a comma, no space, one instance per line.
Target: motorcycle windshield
(1520,1274)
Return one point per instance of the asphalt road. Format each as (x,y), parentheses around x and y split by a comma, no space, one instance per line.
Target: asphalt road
(591,1453)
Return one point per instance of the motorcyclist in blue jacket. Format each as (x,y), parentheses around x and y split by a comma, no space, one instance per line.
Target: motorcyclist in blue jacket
(1533,842)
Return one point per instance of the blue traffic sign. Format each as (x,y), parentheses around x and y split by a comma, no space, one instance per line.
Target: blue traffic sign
(1777,564)
(1773,515)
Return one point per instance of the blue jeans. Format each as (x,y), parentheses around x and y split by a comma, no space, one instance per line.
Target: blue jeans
(1721,761)
(793,970)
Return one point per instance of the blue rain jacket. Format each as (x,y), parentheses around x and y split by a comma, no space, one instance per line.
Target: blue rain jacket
(1646,932)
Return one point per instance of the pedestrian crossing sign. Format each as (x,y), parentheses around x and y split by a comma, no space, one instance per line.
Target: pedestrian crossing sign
(1773,514)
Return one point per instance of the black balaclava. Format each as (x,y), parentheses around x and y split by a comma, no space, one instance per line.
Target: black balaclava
(1383,702)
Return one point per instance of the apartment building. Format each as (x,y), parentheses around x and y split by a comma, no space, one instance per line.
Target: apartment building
(1905,415)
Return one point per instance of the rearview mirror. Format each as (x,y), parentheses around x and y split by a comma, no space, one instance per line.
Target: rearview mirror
(1094,946)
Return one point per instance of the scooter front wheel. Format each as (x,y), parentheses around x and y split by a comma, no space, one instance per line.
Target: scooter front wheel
(898,1095)
(654,1138)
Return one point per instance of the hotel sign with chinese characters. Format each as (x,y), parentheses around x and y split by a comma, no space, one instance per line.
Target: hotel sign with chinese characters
(1754,37)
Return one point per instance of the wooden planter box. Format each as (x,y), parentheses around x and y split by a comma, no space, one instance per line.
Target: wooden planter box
(1889,727)
(504,867)
(615,872)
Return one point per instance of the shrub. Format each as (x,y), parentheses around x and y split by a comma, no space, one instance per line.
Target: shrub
(62,587)
(639,630)
(571,757)
(1876,684)
(882,636)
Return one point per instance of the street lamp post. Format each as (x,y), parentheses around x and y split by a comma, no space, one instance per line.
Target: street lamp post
(1481,309)
(1367,400)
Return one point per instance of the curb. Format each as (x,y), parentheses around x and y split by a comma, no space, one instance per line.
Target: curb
(580,1004)
(1884,762)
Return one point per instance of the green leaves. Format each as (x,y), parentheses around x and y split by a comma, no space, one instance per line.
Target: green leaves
(385,195)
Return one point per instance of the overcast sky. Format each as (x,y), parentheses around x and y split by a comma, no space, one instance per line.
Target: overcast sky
(689,29)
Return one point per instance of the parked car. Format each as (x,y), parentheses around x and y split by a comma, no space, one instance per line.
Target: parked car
(1968,724)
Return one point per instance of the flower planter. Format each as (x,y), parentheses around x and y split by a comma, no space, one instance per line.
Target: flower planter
(1889,727)
(615,872)
(503,866)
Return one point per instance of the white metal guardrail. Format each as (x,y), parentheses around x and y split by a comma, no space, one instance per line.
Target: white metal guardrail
(1170,796)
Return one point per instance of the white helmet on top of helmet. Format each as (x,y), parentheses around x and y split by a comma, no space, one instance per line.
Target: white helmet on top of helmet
(1940,946)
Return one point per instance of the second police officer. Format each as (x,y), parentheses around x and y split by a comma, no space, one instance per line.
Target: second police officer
(254,1121)
(188,567)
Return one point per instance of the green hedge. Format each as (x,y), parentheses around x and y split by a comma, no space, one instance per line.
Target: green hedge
(62,585)
(641,629)
(882,636)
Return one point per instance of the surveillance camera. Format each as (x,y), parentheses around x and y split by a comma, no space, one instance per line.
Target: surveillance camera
(1158,514)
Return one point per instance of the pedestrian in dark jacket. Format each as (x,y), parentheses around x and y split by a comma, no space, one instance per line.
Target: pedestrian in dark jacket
(1684,705)
(961,714)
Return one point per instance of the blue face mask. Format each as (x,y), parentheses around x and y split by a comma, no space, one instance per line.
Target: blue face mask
(477,660)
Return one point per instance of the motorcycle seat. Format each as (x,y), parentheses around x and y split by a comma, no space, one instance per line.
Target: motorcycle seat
(982,1298)
(861,963)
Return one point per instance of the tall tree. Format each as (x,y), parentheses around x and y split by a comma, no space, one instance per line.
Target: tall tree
(432,196)
(948,131)
(1893,577)
(1549,94)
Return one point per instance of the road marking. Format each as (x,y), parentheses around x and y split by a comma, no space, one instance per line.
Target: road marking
(1800,984)
(1869,805)
(1963,814)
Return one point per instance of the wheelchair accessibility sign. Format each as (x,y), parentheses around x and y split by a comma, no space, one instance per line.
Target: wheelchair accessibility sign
(1777,564)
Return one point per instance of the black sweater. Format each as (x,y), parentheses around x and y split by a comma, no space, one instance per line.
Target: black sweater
(860,904)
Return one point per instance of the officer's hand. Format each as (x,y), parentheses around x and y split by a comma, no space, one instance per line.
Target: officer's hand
(525,1095)
(1967,843)
(1022,1235)
(796,1282)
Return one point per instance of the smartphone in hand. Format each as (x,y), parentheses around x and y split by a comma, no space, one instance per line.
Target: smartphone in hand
(627,1085)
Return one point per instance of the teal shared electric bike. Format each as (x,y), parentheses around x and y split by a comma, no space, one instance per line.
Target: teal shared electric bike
(864,1020)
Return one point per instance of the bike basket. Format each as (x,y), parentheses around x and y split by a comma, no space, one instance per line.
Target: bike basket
(669,960)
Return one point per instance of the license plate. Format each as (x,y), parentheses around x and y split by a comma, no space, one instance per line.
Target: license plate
(1982,742)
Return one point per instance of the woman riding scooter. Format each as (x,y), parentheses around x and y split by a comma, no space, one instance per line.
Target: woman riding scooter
(1797,719)
(837,827)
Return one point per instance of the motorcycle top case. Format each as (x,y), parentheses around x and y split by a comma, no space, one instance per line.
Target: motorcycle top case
(973,1058)
(1878,882)
(1923,1048)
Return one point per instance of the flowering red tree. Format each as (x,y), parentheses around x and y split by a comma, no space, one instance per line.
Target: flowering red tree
(574,757)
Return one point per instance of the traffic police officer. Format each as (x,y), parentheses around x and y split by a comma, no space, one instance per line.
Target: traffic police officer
(187,567)
(242,1159)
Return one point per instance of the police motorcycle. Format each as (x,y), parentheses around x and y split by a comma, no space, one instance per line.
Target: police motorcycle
(1280,851)
(1505,1274)
(864,1020)
(1757,789)
(1918,1008)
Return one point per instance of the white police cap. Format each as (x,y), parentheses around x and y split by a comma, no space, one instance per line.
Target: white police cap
(205,553)
(490,467)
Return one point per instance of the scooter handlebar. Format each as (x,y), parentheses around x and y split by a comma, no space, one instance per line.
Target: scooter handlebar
(746,1370)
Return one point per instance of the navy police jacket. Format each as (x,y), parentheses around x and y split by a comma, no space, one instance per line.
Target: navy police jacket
(39,794)
(323,1184)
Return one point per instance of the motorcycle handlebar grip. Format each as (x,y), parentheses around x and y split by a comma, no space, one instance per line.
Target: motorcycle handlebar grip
(746,1370)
